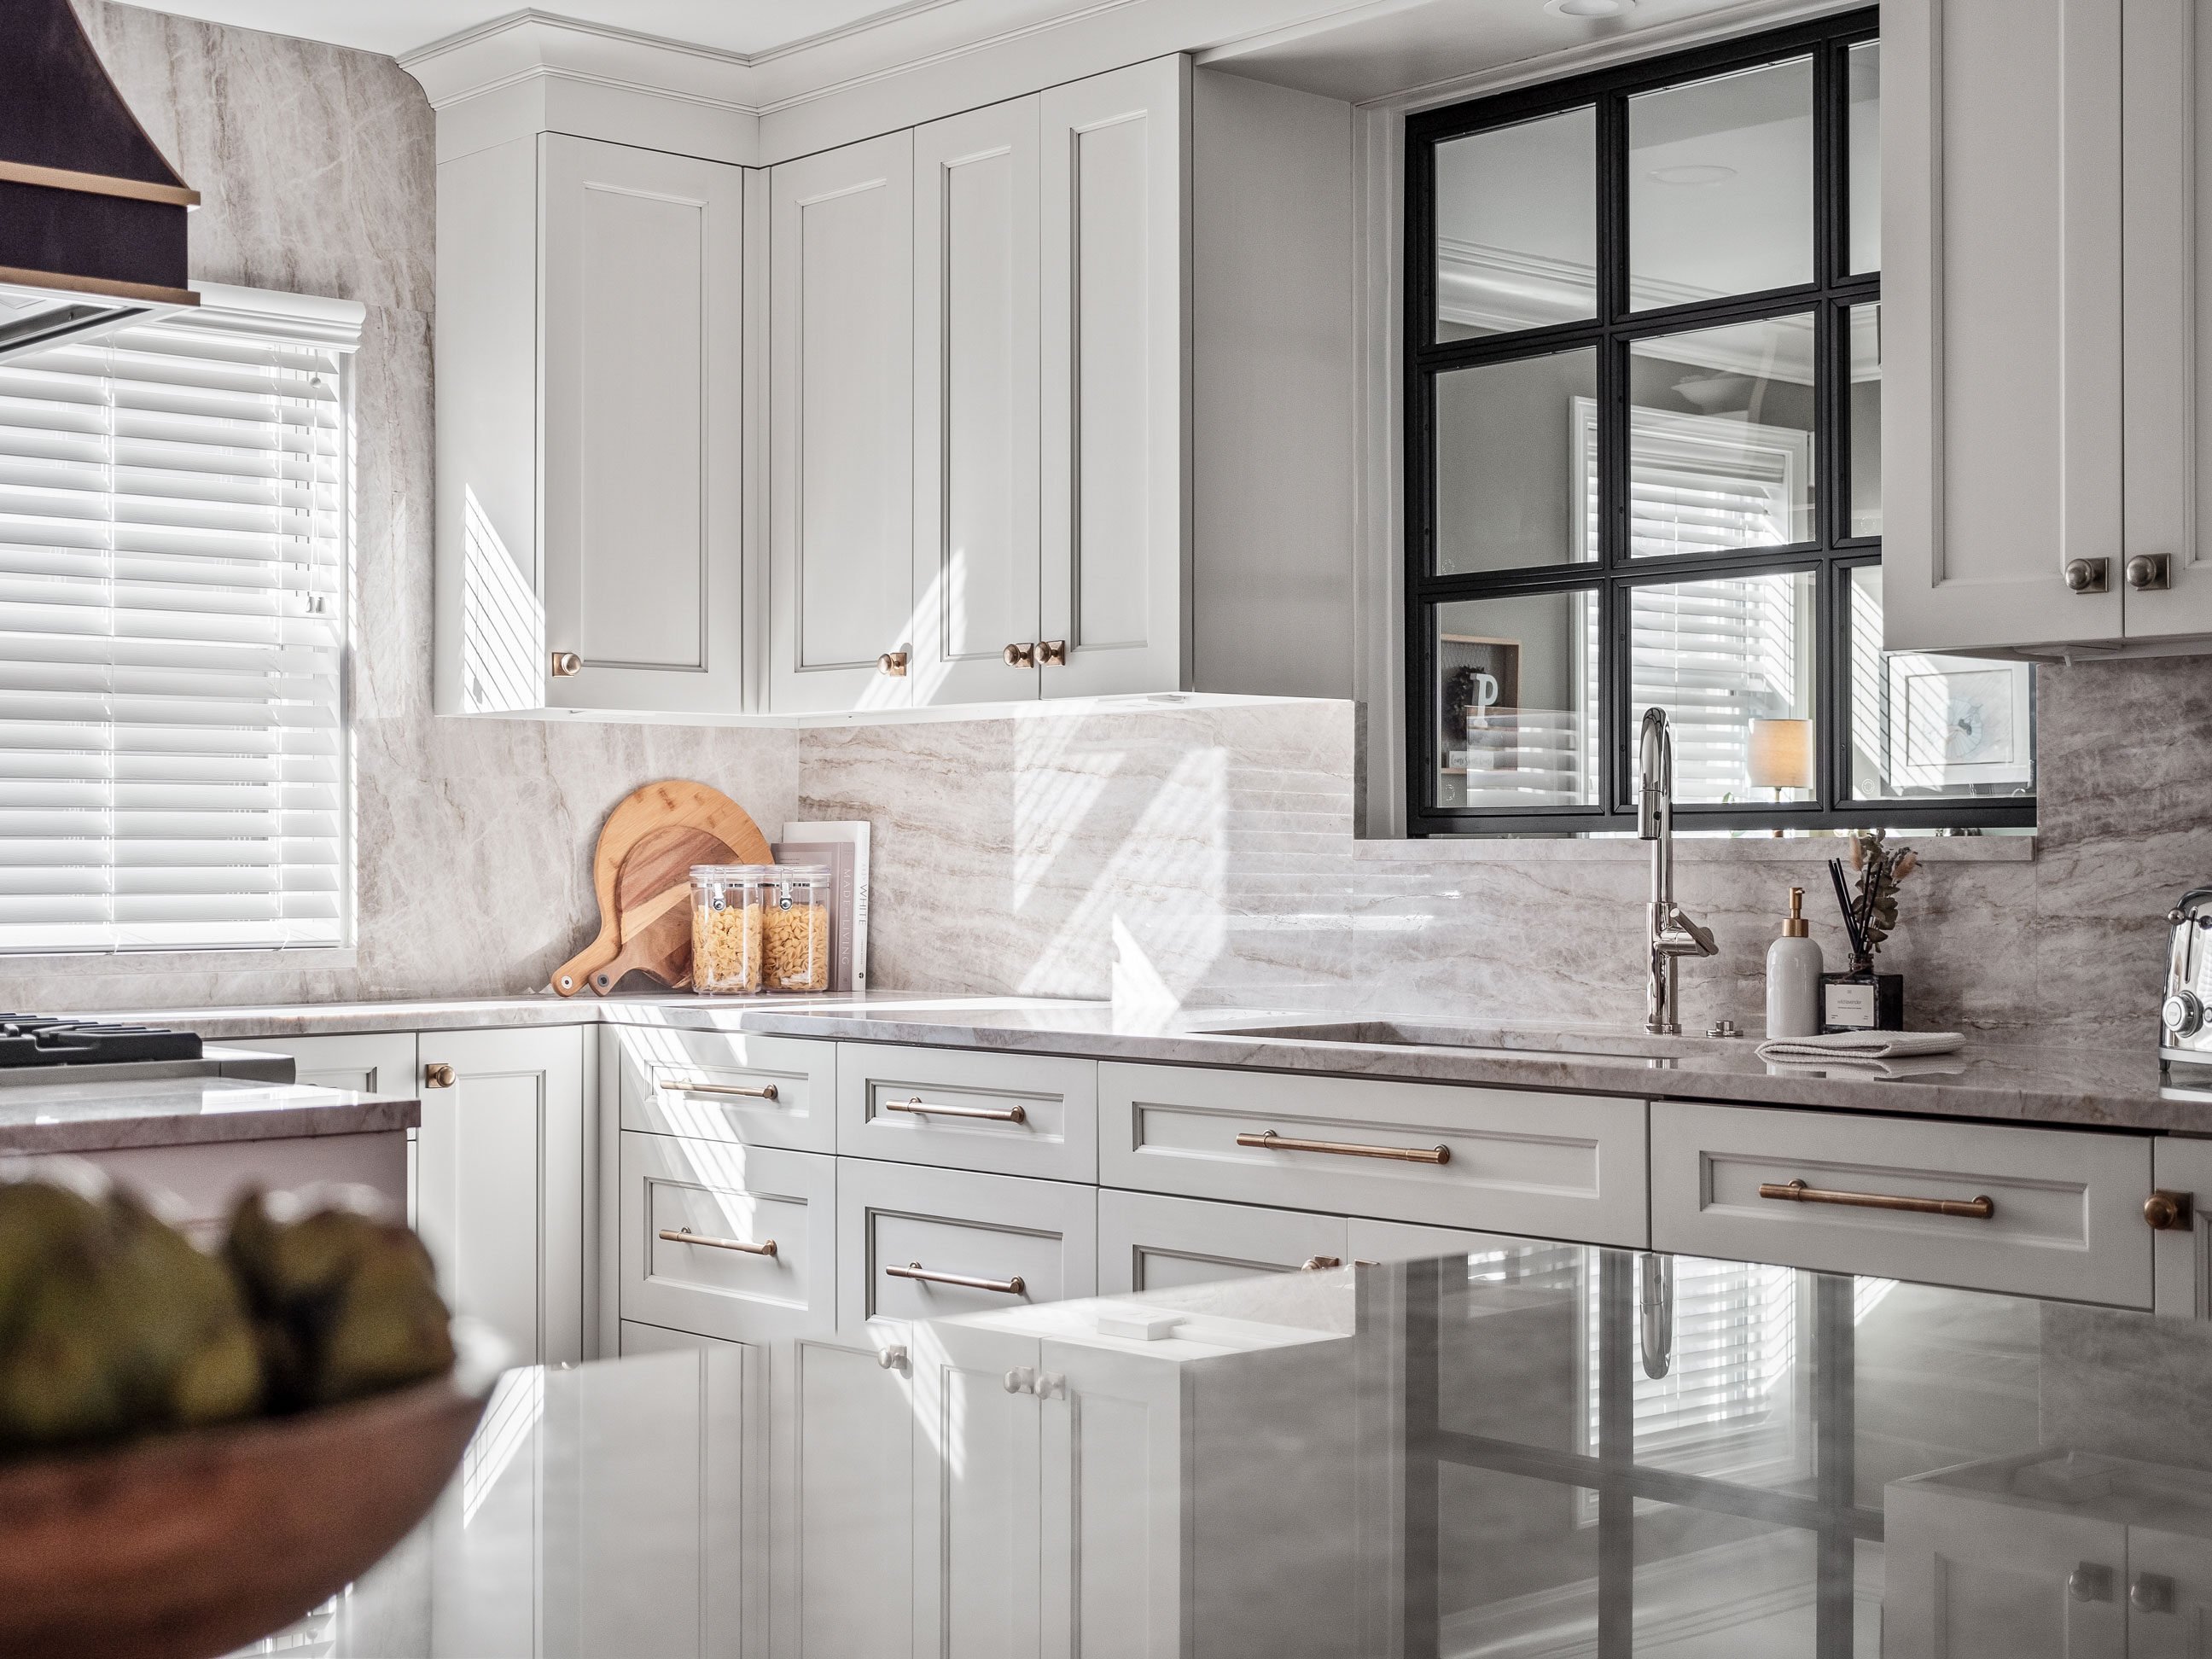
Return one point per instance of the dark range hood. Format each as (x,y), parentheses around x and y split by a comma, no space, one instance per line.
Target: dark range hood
(91,216)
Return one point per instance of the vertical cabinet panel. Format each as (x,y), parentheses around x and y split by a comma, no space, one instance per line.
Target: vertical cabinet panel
(975,455)
(842,428)
(2001,320)
(2181,1257)
(1116,276)
(500,1183)
(643,328)
(2167,214)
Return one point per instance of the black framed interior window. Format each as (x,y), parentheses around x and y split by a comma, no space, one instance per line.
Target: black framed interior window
(1643,460)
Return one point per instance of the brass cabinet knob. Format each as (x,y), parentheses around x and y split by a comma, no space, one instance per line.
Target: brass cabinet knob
(565,663)
(892,663)
(1021,656)
(2150,573)
(2169,1213)
(438,1075)
(2085,575)
(2090,1583)
(1319,1264)
(1052,653)
(2152,1592)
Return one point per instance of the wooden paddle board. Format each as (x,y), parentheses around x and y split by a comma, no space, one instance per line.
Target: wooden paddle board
(653,903)
(673,803)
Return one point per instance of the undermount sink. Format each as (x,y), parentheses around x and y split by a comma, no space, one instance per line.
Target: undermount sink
(1585,1040)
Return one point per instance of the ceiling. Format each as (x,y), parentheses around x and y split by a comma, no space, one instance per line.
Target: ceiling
(393,26)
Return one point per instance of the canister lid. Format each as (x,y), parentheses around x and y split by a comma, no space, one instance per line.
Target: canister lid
(728,873)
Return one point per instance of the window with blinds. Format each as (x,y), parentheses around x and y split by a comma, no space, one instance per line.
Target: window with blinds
(173,527)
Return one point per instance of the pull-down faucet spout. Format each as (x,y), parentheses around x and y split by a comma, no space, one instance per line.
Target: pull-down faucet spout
(1669,933)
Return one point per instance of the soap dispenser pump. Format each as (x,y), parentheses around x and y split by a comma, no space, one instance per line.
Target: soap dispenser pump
(1794,967)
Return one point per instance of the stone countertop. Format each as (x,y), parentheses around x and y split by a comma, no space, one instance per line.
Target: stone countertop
(2003,1080)
(110,1116)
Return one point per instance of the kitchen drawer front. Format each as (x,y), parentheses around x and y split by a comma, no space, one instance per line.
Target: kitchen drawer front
(1017,1114)
(1551,1166)
(722,1085)
(996,1228)
(714,1191)
(2066,1215)
(1148,1243)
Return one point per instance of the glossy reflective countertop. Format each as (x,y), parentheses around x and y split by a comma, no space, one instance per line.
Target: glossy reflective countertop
(55,1115)
(1534,1449)
(2002,1080)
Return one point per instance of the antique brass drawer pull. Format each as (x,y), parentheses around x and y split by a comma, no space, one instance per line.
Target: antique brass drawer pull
(765,1091)
(914,1270)
(921,1108)
(1272,1142)
(685,1236)
(1796,1192)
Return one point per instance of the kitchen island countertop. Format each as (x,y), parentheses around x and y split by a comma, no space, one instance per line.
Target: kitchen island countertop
(112,1116)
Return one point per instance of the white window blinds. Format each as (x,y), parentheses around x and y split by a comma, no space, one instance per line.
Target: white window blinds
(173,507)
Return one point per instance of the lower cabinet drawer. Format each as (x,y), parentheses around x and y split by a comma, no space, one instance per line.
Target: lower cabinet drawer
(1491,1160)
(1017,1114)
(724,1241)
(923,1244)
(2028,1212)
(729,1085)
(1147,1243)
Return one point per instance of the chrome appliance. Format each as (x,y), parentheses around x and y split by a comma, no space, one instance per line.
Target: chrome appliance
(2185,1027)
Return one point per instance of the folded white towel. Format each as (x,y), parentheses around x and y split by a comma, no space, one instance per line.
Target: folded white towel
(1858,1066)
(1861,1045)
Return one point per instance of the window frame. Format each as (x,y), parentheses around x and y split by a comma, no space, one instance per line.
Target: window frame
(1831,555)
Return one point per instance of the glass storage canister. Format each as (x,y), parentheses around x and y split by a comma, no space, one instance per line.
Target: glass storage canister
(759,927)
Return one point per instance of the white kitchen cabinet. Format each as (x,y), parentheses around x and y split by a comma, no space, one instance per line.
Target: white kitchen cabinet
(2001,337)
(1020,1115)
(842,428)
(1116,358)
(369,1062)
(2181,1265)
(923,1243)
(501,1167)
(1067,1475)
(976,385)
(594,310)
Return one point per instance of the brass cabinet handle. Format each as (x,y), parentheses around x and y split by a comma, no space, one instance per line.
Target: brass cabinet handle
(567,664)
(765,1091)
(892,663)
(1272,1142)
(1319,1264)
(1021,656)
(1796,1192)
(1052,653)
(2090,1582)
(1004,1286)
(921,1108)
(437,1075)
(2169,1213)
(685,1236)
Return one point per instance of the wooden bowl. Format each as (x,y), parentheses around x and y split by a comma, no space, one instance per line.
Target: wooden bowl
(189,1546)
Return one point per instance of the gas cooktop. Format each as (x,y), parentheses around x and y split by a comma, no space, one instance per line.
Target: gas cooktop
(36,1040)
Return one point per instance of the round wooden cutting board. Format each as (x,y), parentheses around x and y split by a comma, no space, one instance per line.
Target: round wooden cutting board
(675,804)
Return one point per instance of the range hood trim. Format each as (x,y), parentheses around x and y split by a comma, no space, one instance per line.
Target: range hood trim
(98,183)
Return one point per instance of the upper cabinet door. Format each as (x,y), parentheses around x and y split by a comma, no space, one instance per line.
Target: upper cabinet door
(2167,204)
(1116,275)
(641,378)
(2001,318)
(976,370)
(841,575)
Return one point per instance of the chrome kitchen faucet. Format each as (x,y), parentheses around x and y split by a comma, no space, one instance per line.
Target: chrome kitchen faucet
(1669,933)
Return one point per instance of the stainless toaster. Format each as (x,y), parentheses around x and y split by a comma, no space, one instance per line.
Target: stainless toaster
(2184,1017)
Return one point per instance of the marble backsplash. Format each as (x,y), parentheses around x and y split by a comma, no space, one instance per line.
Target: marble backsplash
(1208,855)
(1165,855)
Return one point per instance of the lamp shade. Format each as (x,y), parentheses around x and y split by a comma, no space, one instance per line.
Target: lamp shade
(1781,755)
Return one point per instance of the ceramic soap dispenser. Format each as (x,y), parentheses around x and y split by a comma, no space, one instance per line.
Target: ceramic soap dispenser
(1794,967)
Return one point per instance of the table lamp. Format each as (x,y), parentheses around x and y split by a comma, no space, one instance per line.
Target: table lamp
(1781,756)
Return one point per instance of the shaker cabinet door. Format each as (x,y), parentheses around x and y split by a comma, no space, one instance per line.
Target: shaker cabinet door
(642,370)
(841,431)
(2002,334)
(976,456)
(1117,213)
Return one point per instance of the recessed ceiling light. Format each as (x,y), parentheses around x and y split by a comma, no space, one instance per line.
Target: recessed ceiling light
(1691,173)
(1591,8)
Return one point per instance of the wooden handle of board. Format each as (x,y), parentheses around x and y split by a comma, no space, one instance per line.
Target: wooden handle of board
(572,975)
